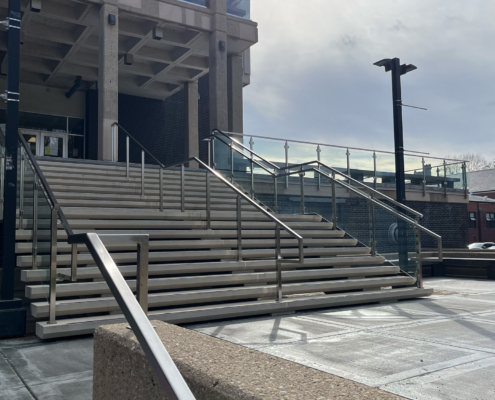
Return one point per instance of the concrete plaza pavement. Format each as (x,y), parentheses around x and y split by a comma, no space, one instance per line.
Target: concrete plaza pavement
(442,347)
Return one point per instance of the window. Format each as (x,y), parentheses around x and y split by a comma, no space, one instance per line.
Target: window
(472,219)
(490,220)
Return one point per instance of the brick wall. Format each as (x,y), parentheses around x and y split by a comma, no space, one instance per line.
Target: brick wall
(481,233)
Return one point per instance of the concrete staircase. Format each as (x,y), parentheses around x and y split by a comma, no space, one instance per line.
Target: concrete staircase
(194,274)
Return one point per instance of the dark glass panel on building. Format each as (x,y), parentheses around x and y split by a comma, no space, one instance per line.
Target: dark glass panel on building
(53,146)
(76,147)
(42,122)
(76,126)
(197,2)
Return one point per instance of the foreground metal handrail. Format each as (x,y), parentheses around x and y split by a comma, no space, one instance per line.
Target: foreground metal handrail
(168,375)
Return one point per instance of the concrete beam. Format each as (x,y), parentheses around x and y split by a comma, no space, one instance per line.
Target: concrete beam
(192,123)
(108,80)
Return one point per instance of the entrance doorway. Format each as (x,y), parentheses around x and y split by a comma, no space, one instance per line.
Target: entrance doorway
(49,144)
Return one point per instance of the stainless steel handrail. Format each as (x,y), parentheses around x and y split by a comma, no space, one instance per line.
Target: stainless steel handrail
(335,146)
(168,375)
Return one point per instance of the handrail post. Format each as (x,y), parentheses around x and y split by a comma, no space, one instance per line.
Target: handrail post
(424,176)
(318,152)
(142,172)
(53,267)
(278,263)
(239,229)
(182,188)
(334,203)
(275,194)
(231,162)
(35,222)
(301,175)
(73,263)
(286,147)
(372,229)
(21,193)
(440,250)
(348,166)
(208,201)
(375,177)
(251,144)
(419,258)
(160,176)
(127,156)
(142,274)
(2,177)
(464,178)
(209,151)
(445,178)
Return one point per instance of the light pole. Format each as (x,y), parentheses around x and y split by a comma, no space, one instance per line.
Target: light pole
(400,178)
(12,314)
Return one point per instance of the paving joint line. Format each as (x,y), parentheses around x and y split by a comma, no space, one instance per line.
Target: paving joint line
(19,376)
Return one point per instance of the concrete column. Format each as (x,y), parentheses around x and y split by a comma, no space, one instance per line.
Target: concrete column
(235,85)
(219,111)
(192,122)
(108,78)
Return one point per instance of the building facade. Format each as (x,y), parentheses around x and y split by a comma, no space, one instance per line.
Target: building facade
(168,71)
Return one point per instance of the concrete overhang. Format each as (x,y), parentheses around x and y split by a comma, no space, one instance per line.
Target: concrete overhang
(61,42)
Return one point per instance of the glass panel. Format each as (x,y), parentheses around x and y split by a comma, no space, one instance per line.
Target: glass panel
(43,230)
(197,2)
(31,140)
(300,153)
(362,166)
(53,146)
(221,154)
(76,126)
(413,168)
(270,150)
(455,175)
(434,172)
(385,168)
(76,146)
(239,8)
(334,157)
(42,122)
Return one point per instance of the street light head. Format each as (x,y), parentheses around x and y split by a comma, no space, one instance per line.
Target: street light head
(404,69)
(384,63)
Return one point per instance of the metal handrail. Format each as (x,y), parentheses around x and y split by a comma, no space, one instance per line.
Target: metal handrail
(294,166)
(169,377)
(338,147)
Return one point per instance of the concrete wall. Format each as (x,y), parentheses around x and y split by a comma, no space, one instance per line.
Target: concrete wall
(46,100)
(214,370)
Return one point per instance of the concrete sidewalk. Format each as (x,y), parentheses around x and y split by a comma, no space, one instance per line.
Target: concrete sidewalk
(441,347)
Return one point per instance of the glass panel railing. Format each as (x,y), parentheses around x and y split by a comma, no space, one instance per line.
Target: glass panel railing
(361,165)
(385,168)
(239,8)
(334,157)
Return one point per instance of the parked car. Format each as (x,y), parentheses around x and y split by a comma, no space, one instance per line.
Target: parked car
(480,246)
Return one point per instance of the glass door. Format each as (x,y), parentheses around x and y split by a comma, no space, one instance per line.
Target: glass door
(33,139)
(53,144)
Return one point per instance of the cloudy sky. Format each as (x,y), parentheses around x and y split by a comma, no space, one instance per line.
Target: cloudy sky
(313,76)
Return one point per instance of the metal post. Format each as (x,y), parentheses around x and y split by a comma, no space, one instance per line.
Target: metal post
(208,201)
(182,188)
(419,270)
(231,163)
(2,177)
(239,229)
(278,263)
(161,188)
(127,156)
(464,178)
(318,152)
(142,275)
(445,178)
(275,194)
(214,164)
(142,172)
(303,208)
(375,178)
(73,261)
(21,192)
(348,154)
(11,149)
(251,146)
(209,152)
(53,267)
(286,163)
(424,176)
(334,203)
(372,229)
(35,222)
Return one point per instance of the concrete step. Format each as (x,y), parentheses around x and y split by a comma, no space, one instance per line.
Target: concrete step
(170,299)
(198,255)
(62,247)
(87,325)
(98,288)
(27,235)
(129,271)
